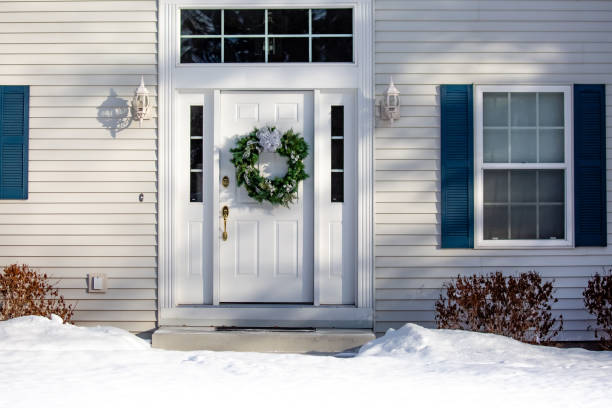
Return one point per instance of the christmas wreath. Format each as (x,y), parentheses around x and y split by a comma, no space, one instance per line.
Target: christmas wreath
(245,157)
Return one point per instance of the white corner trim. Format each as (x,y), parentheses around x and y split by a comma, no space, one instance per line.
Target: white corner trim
(165,154)
(168,85)
(364,43)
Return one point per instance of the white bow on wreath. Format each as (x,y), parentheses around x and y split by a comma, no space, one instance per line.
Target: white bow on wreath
(269,139)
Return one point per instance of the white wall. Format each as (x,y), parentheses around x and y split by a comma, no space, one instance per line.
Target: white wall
(83,213)
(423,44)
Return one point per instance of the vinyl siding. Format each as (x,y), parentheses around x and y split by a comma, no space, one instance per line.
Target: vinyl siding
(424,44)
(82,59)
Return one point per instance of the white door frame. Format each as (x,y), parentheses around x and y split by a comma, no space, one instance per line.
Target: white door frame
(174,78)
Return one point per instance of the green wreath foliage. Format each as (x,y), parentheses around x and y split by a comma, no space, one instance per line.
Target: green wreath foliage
(279,190)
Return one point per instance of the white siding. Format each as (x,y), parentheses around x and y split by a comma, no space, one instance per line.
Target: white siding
(83,214)
(424,44)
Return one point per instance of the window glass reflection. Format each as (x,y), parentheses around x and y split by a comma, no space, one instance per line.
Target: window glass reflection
(244,22)
(332,49)
(200,22)
(244,50)
(200,50)
(288,50)
(287,21)
(332,21)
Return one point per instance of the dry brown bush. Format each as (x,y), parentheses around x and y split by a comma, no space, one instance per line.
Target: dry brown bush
(517,307)
(598,301)
(25,292)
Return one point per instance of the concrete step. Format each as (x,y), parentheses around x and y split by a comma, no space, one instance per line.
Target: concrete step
(316,341)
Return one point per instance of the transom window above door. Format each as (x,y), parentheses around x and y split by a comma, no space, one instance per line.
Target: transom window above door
(266,36)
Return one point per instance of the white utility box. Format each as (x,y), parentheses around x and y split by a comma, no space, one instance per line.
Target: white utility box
(96,283)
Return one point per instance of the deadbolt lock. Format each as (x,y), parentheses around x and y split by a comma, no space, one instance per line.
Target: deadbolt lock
(225,181)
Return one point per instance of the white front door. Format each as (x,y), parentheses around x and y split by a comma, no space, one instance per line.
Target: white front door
(268,254)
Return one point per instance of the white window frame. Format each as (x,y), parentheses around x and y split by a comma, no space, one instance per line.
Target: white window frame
(266,36)
(480,166)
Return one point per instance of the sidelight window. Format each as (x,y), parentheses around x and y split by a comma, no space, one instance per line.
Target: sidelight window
(337,154)
(196,140)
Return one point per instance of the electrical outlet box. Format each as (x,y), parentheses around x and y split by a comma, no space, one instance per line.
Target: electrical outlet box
(96,283)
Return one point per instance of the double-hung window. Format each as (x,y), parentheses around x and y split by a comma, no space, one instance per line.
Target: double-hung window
(523,194)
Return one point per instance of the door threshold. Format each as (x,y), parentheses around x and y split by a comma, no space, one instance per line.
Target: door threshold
(265,329)
(265,304)
(224,305)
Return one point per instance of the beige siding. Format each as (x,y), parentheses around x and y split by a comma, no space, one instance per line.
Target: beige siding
(423,44)
(83,214)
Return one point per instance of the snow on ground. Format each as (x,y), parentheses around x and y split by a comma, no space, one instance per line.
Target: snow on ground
(46,363)
(39,333)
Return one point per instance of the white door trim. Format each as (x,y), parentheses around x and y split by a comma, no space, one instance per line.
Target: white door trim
(215,203)
(359,76)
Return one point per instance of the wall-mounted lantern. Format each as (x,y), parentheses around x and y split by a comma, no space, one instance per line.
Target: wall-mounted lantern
(141,105)
(389,107)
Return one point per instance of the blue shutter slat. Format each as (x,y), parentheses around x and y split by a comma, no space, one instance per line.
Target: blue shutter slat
(457,166)
(14,131)
(590,165)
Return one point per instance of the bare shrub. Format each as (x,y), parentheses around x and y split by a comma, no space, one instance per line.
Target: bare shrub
(517,307)
(598,301)
(25,292)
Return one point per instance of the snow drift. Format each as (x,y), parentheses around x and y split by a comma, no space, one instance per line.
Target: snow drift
(40,333)
(412,340)
(469,349)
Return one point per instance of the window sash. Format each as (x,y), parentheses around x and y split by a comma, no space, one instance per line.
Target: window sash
(480,166)
(266,36)
(510,130)
(522,190)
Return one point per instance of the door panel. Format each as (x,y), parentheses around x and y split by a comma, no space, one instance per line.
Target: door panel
(287,242)
(268,254)
(247,242)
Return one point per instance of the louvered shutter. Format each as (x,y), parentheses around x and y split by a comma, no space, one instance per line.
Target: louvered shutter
(14,130)
(457,163)
(590,165)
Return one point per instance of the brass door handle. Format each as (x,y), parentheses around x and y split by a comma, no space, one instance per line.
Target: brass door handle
(225,213)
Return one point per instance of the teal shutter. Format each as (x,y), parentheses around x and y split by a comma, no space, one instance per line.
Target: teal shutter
(457,166)
(590,165)
(14,131)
